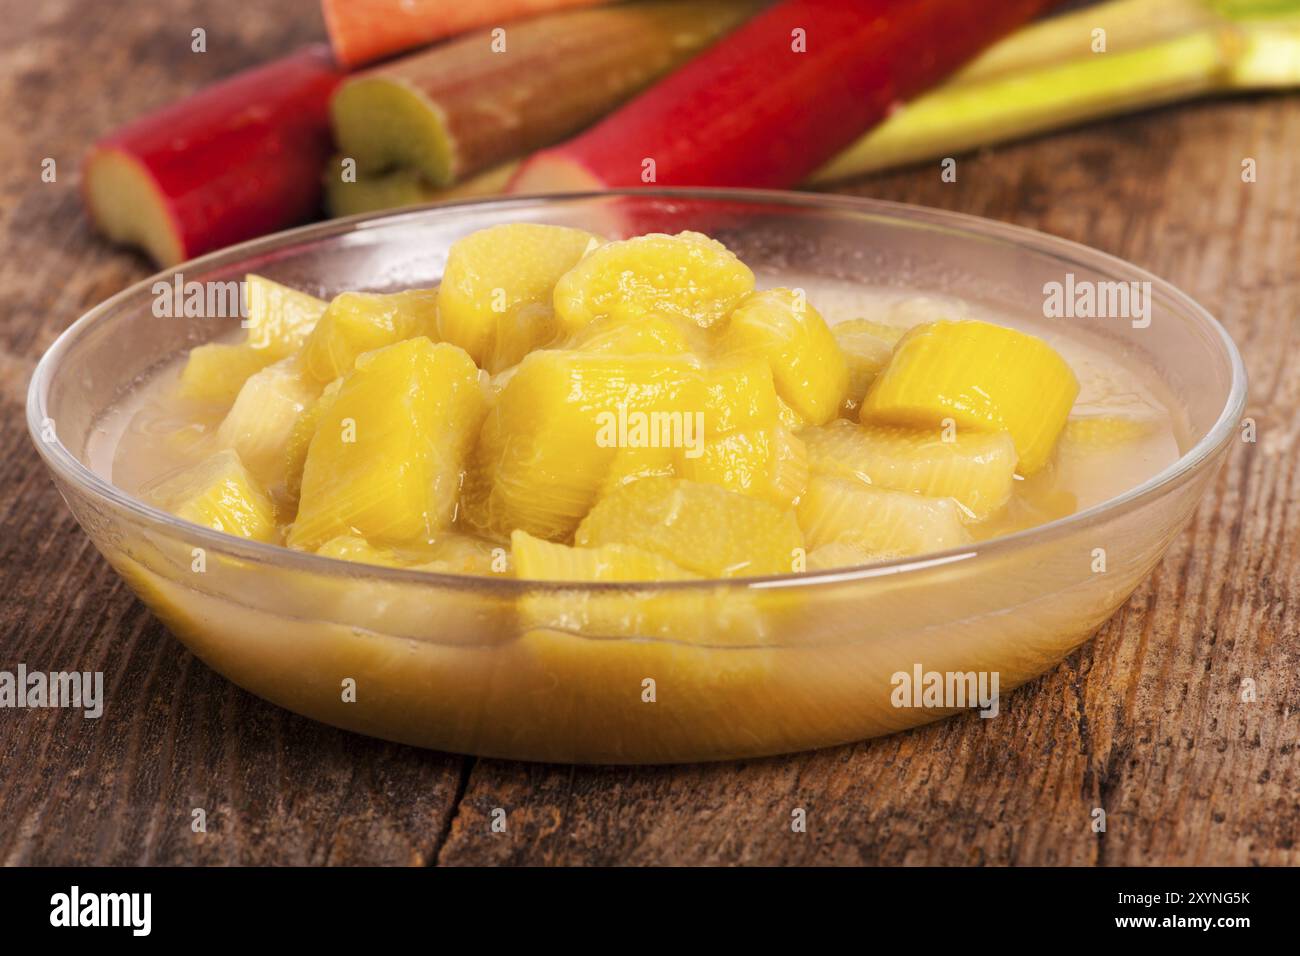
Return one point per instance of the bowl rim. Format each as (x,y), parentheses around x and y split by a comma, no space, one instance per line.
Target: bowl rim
(65,465)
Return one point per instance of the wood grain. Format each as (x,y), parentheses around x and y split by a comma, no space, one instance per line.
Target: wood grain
(1145,721)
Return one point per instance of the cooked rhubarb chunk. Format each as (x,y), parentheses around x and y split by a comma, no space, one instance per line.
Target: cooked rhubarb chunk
(357,322)
(519,333)
(633,464)
(770,463)
(279,318)
(739,392)
(677,618)
(495,296)
(688,276)
(809,370)
(637,335)
(300,435)
(882,523)
(218,493)
(387,455)
(539,560)
(866,346)
(788,417)
(260,423)
(553,432)
(704,528)
(215,372)
(980,376)
(975,468)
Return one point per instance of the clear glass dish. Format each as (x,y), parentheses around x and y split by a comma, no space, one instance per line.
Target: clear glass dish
(762,666)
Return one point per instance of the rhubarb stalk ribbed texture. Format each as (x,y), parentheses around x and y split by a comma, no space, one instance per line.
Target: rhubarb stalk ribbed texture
(779,96)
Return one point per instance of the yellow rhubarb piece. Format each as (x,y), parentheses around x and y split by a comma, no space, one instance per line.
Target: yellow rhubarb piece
(496,292)
(770,463)
(637,335)
(980,376)
(687,276)
(866,346)
(357,322)
(519,333)
(680,618)
(739,392)
(808,367)
(260,423)
(788,417)
(388,453)
(278,320)
(300,436)
(214,373)
(706,529)
(219,493)
(882,523)
(633,464)
(977,469)
(553,432)
(538,560)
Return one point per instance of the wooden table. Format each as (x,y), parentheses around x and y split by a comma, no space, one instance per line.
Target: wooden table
(1144,721)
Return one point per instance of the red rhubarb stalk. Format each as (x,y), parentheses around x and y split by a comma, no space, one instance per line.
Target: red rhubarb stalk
(365,30)
(236,160)
(779,96)
(458,108)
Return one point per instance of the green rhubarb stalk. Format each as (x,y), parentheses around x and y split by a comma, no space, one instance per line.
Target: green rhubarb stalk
(1047,76)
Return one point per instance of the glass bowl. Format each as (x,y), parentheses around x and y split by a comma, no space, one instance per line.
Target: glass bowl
(515,669)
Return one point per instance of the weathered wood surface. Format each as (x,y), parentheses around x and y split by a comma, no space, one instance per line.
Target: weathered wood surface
(1145,721)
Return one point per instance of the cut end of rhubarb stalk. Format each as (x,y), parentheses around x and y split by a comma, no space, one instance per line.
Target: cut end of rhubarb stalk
(129,207)
(236,160)
(384,123)
(552,172)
